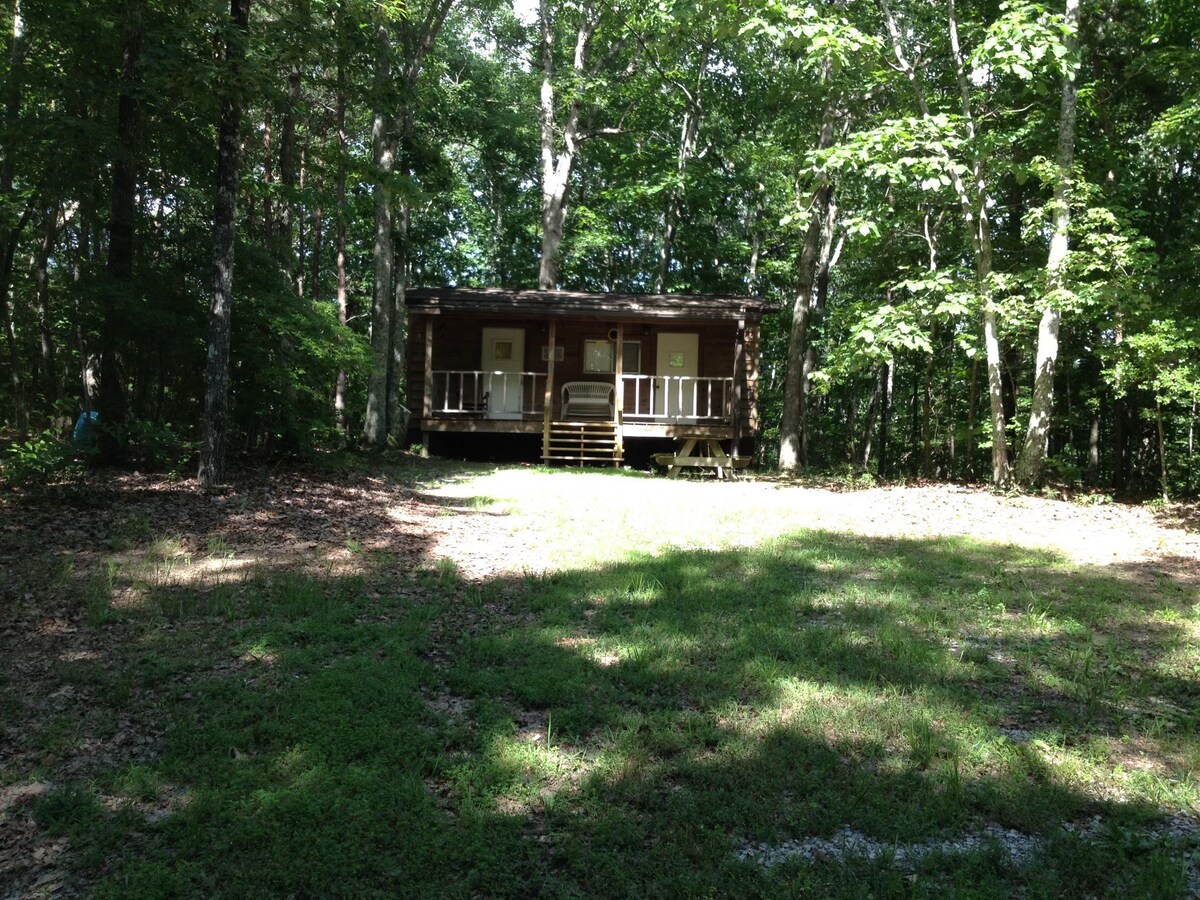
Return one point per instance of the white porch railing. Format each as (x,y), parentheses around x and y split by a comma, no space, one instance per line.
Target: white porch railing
(674,398)
(495,395)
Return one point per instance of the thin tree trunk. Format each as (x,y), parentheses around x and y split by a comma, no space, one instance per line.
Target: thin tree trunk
(1093,467)
(269,232)
(289,169)
(972,406)
(1192,432)
(827,258)
(383,419)
(755,250)
(1162,450)
(41,278)
(687,149)
(130,120)
(397,414)
(974,204)
(885,418)
(1029,464)
(318,235)
(216,393)
(868,432)
(10,333)
(339,395)
(927,419)
(10,237)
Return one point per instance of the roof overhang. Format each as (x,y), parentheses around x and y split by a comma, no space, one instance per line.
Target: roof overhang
(501,301)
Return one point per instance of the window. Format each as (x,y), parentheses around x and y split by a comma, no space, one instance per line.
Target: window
(599,357)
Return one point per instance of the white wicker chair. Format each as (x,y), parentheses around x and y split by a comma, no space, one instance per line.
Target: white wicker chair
(588,399)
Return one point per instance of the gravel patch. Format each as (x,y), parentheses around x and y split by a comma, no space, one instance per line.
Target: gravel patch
(1179,833)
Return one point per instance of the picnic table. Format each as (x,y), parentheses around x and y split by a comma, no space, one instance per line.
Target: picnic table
(700,451)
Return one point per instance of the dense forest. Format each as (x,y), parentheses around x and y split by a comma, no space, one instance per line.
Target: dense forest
(981,219)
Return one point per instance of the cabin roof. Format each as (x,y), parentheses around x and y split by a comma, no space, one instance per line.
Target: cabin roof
(578,303)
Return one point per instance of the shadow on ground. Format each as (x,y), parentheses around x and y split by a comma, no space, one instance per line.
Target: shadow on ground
(398,730)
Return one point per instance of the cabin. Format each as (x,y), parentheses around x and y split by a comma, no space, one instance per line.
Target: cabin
(589,374)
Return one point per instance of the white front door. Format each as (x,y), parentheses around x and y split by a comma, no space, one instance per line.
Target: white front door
(678,357)
(503,362)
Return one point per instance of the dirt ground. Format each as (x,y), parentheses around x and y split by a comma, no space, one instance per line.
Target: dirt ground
(56,540)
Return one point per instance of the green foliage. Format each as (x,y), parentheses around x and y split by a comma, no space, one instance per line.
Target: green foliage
(1027,41)
(36,459)
(285,354)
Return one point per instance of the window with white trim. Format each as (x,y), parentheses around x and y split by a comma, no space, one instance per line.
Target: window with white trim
(599,357)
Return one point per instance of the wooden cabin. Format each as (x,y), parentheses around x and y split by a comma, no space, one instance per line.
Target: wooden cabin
(589,373)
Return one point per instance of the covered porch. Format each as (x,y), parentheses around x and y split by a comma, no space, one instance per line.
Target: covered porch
(587,372)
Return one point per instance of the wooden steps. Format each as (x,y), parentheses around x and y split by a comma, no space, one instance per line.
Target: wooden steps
(582,443)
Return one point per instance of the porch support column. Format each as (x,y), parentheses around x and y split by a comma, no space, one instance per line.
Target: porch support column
(619,395)
(739,382)
(427,396)
(548,400)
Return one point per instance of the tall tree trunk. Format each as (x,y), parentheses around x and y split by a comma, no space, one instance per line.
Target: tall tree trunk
(756,240)
(558,164)
(974,202)
(1093,465)
(383,143)
(383,419)
(318,227)
(885,418)
(687,149)
(868,432)
(8,252)
(9,236)
(827,256)
(216,393)
(927,419)
(806,274)
(1029,464)
(339,395)
(289,170)
(269,229)
(397,370)
(972,407)
(130,120)
(1162,450)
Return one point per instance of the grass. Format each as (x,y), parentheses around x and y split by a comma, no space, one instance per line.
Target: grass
(621,722)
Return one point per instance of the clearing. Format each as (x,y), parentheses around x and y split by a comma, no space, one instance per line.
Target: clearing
(425,679)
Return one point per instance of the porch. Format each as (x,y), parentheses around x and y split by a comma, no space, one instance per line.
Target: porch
(506,396)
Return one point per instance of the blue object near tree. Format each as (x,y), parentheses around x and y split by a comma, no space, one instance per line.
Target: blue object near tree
(85,429)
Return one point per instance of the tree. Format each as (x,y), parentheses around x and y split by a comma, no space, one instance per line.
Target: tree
(216,394)
(392,131)
(1029,465)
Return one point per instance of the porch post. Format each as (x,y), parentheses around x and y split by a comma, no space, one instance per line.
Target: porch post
(619,395)
(548,400)
(427,398)
(739,382)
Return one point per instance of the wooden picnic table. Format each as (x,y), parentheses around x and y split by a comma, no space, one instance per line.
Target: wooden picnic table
(700,451)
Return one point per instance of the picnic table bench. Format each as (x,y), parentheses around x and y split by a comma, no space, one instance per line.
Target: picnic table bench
(700,451)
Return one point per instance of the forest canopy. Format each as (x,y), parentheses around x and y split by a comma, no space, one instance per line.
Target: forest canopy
(982,219)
